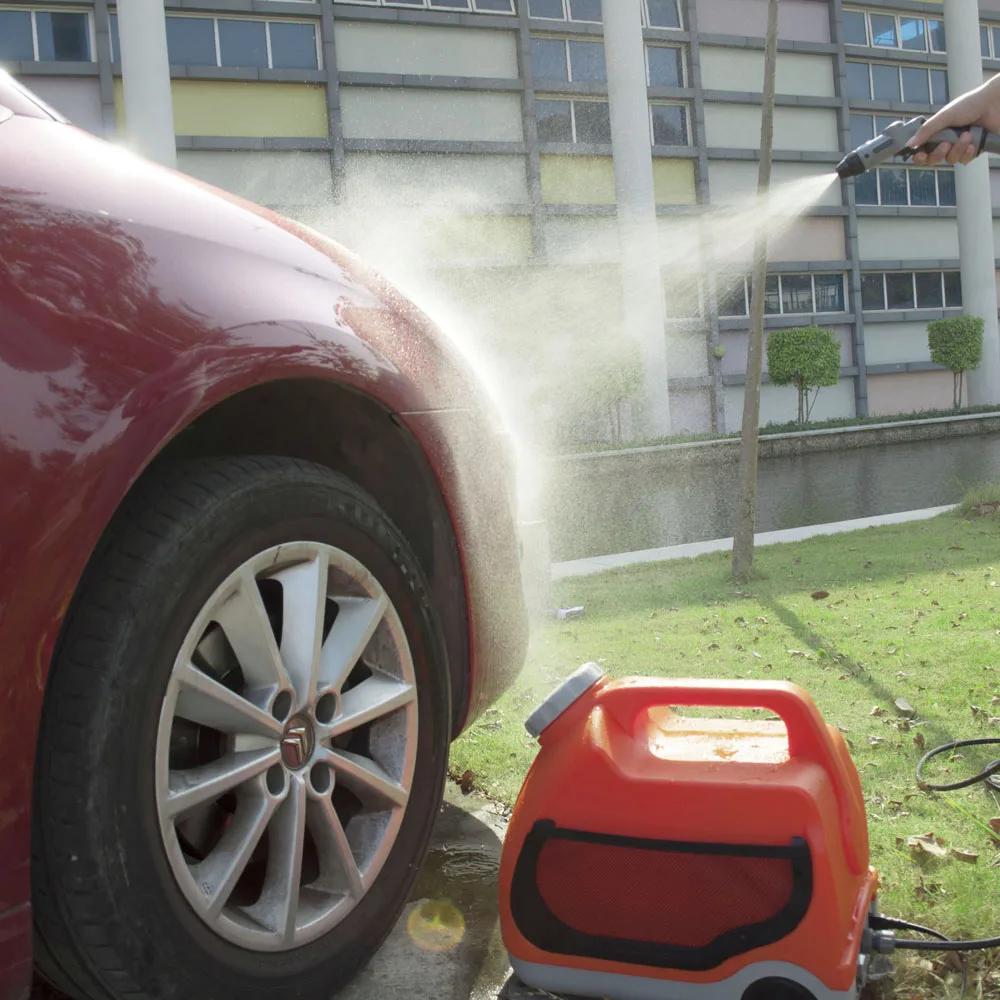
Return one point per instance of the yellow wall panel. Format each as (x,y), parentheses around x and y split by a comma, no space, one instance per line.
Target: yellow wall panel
(210,107)
(673,181)
(489,237)
(578,180)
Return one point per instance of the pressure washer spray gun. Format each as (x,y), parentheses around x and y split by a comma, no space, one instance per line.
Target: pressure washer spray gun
(895,141)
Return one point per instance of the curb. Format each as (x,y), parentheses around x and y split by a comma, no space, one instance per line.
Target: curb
(601,564)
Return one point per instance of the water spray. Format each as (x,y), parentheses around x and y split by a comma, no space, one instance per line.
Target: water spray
(895,141)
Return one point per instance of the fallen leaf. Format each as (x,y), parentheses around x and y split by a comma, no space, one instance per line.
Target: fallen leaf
(927,843)
(799,652)
(819,595)
(877,712)
(905,708)
(713,645)
(995,824)
(467,782)
(937,603)
(919,742)
(875,740)
(969,857)
(955,548)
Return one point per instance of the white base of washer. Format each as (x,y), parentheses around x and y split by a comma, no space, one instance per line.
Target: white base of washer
(613,986)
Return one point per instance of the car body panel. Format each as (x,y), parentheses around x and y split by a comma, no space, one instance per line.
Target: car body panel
(132,301)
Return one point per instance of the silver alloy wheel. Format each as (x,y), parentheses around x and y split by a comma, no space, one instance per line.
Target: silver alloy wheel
(286,746)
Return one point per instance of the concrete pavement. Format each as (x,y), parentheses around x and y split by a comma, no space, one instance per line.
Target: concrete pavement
(599,564)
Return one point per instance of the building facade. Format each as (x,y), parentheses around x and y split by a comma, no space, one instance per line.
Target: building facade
(467,143)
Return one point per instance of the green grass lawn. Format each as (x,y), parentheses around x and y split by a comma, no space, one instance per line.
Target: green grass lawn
(912,610)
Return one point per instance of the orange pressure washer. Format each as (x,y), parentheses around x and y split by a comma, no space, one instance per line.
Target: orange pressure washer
(657,856)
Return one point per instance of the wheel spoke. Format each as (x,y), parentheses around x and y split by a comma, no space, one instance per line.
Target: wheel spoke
(218,874)
(244,620)
(367,780)
(357,619)
(278,905)
(203,700)
(304,600)
(198,785)
(371,699)
(338,867)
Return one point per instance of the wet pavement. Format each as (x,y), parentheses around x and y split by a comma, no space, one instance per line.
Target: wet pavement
(446,945)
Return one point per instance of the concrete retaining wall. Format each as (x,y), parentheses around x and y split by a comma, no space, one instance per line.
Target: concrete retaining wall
(777,445)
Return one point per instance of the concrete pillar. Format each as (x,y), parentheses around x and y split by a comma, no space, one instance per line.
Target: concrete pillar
(149,111)
(642,287)
(975,206)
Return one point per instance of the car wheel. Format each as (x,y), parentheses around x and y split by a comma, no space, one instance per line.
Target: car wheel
(243,743)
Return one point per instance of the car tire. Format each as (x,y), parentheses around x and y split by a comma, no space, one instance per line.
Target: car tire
(115,915)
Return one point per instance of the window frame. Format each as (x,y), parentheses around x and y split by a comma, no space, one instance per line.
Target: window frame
(559,20)
(683,60)
(566,15)
(472,7)
(215,18)
(780,275)
(992,28)
(661,27)
(87,12)
(899,67)
(880,203)
(916,307)
(573,100)
(685,107)
(899,17)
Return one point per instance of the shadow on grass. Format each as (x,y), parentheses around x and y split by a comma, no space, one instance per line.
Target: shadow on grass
(934,733)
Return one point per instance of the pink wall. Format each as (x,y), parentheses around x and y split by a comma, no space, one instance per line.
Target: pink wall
(908,392)
(810,239)
(801,20)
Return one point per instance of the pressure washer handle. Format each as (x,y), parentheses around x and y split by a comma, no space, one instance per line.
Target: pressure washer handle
(982,140)
(808,735)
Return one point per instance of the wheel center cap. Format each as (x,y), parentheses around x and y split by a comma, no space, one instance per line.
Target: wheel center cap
(297,742)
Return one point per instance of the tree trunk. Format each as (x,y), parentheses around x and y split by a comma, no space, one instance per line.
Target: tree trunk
(959,380)
(802,390)
(747,499)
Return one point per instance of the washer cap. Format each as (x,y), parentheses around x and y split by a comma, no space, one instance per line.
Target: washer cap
(577,684)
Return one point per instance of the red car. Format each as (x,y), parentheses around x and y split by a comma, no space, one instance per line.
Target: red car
(259,567)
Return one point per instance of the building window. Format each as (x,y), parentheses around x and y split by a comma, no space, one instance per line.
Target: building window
(865,127)
(669,124)
(906,186)
(479,6)
(662,14)
(664,66)
(568,59)
(989,40)
(45,36)
(243,42)
(885,291)
(789,295)
(573,121)
(656,13)
(566,10)
(889,82)
(893,31)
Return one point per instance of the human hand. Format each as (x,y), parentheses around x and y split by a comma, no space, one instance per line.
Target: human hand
(978,107)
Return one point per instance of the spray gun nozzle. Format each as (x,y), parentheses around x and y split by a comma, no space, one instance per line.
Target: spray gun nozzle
(850,166)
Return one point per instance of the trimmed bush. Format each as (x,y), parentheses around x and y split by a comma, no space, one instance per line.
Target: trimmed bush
(957,343)
(807,357)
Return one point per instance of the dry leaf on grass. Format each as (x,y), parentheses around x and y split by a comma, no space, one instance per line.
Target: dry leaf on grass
(969,857)
(927,843)
(819,595)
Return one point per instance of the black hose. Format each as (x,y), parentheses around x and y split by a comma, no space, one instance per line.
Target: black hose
(988,773)
(880,922)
